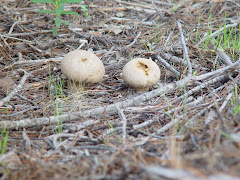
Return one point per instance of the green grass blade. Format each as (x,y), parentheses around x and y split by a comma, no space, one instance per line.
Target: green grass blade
(57,22)
(46,11)
(84,8)
(196,38)
(70,12)
(55,29)
(5,142)
(42,1)
(70,1)
(67,23)
(60,10)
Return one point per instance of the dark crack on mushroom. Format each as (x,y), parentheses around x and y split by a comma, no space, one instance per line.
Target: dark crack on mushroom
(144,67)
(84,59)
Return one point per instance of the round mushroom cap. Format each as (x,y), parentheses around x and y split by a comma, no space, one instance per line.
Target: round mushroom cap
(141,73)
(81,65)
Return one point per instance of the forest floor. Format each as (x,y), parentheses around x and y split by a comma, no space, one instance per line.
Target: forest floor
(187,126)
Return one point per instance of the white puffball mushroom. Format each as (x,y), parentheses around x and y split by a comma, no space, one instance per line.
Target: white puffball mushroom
(141,73)
(82,66)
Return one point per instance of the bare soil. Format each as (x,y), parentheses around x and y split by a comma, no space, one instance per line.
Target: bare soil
(184,127)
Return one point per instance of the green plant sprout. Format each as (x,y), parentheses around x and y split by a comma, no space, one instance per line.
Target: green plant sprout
(58,93)
(85,10)
(196,37)
(156,39)
(226,135)
(106,141)
(235,101)
(148,46)
(58,89)
(175,7)
(156,34)
(194,73)
(130,55)
(227,39)
(3,140)
(59,10)
(178,124)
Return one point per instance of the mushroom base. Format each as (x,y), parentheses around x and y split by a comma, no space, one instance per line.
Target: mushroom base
(75,86)
(141,88)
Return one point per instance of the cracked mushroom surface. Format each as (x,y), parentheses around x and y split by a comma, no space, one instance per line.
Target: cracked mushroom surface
(141,73)
(82,66)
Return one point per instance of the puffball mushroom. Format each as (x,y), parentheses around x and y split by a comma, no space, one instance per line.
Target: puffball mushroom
(141,73)
(82,66)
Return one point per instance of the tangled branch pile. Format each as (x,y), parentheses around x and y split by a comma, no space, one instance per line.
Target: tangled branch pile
(186,126)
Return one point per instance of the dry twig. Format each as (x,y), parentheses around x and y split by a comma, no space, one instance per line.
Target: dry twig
(185,51)
(110,108)
(14,91)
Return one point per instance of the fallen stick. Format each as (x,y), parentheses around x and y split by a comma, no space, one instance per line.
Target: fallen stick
(68,117)
(185,51)
(25,123)
(14,91)
(33,62)
(167,65)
